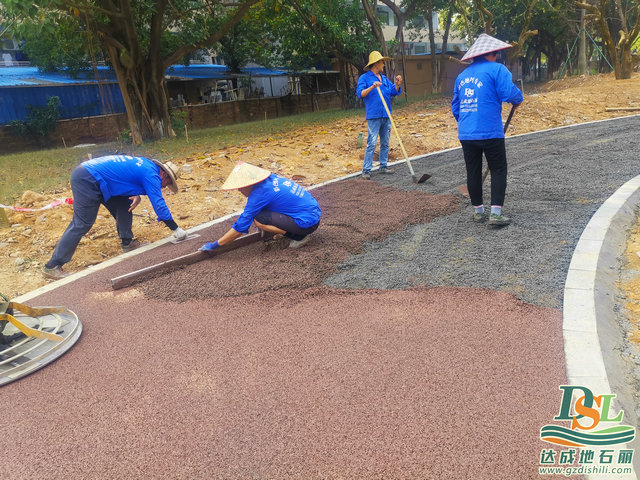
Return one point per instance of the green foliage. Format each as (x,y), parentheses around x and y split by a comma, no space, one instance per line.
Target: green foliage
(178,121)
(555,22)
(40,121)
(57,41)
(304,33)
(142,39)
(249,41)
(124,137)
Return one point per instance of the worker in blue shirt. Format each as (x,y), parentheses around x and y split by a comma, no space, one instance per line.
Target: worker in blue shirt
(274,204)
(115,181)
(378,121)
(478,94)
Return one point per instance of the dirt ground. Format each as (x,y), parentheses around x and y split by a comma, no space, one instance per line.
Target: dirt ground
(629,286)
(309,155)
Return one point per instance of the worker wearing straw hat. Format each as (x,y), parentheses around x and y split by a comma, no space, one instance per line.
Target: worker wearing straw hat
(115,181)
(274,204)
(478,95)
(378,122)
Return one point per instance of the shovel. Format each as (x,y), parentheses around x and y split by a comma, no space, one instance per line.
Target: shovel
(415,178)
(463,188)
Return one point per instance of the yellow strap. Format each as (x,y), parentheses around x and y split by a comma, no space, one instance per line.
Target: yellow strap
(28,331)
(36,312)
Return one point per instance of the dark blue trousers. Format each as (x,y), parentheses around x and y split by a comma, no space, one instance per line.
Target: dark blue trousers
(87,198)
(286,223)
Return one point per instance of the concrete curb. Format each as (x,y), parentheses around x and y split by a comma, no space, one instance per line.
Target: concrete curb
(592,336)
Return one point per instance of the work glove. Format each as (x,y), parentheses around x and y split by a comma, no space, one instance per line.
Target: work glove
(179,234)
(208,247)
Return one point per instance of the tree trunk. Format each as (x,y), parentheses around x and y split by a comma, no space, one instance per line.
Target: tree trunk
(372,16)
(435,59)
(619,52)
(145,99)
(626,63)
(140,61)
(343,84)
(582,46)
(445,41)
(134,127)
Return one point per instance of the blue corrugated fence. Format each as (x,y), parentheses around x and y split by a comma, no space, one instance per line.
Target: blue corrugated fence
(85,100)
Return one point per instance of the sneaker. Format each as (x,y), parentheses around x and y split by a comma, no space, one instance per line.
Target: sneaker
(135,243)
(499,220)
(479,217)
(54,273)
(299,243)
(387,170)
(277,241)
(366,175)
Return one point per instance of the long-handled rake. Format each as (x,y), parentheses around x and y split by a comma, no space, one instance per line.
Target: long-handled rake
(425,176)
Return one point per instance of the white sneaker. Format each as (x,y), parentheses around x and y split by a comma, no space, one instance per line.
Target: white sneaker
(299,243)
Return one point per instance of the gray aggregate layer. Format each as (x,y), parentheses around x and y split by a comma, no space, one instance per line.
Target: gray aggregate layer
(557,179)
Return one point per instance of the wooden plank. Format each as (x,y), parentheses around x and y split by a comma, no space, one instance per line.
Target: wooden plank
(129,279)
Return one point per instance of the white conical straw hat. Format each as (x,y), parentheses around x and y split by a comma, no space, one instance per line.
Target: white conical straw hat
(485,44)
(244,175)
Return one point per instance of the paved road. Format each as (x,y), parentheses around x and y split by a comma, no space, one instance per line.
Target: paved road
(433,351)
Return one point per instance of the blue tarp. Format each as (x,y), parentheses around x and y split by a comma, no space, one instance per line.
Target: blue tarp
(21,87)
(218,71)
(84,96)
(20,76)
(78,100)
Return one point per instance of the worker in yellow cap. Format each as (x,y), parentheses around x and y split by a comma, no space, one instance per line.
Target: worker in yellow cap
(274,204)
(378,122)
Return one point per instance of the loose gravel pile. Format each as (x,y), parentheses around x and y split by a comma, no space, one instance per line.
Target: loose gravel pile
(354,212)
(556,182)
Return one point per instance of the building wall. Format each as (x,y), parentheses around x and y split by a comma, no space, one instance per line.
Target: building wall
(107,128)
(418,75)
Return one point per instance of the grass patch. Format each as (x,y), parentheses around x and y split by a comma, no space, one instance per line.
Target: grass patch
(49,170)
(39,171)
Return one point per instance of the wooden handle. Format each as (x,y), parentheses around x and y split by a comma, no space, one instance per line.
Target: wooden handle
(395,130)
(393,124)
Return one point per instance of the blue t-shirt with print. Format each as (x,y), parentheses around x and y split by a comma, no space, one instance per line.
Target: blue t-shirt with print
(280,195)
(122,175)
(478,95)
(372,104)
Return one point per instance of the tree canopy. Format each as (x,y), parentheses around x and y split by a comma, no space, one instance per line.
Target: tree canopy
(140,39)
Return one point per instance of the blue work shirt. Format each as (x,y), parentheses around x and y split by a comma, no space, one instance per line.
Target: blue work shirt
(121,175)
(477,99)
(279,195)
(372,103)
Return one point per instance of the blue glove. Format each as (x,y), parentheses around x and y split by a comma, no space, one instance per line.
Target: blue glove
(208,247)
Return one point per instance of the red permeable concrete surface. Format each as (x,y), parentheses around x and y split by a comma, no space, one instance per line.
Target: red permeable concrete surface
(172,379)
(437,383)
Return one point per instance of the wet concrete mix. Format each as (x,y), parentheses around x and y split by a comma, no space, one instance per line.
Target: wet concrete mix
(353,213)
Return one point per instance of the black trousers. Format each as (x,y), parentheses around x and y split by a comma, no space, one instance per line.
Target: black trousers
(286,223)
(496,155)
